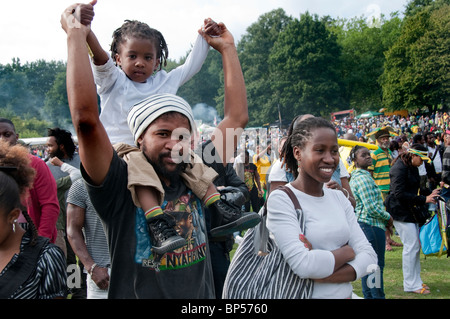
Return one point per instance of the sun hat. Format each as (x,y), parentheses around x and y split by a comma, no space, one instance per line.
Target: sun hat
(420,151)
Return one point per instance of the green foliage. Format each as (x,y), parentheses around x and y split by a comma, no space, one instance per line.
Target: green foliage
(24,90)
(417,66)
(26,128)
(254,52)
(56,105)
(363,48)
(204,86)
(304,66)
(14,92)
(415,6)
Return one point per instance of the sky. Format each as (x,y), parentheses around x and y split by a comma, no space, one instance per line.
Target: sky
(31,30)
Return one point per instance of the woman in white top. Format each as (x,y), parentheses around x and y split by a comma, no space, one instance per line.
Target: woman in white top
(333,250)
(279,176)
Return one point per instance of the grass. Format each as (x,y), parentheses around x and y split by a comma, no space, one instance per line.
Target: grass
(434,273)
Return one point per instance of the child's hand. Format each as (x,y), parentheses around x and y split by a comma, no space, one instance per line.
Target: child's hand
(211,28)
(86,12)
(221,42)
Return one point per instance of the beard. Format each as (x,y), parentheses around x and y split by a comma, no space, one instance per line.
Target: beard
(58,153)
(385,145)
(161,169)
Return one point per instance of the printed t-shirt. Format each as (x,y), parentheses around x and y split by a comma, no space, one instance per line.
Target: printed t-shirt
(184,273)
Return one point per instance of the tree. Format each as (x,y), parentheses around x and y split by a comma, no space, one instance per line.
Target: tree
(417,66)
(414,6)
(26,128)
(203,88)
(41,76)
(14,92)
(363,47)
(304,68)
(254,51)
(23,88)
(56,105)
(31,127)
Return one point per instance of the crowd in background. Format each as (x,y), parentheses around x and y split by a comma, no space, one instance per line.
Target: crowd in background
(406,128)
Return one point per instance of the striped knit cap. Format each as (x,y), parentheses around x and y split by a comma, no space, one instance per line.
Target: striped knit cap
(143,113)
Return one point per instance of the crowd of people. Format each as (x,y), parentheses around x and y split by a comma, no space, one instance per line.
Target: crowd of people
(145,211)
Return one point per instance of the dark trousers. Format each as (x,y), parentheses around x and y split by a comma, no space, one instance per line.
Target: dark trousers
(254,200)
(372,285)
(77,293)
(220,261)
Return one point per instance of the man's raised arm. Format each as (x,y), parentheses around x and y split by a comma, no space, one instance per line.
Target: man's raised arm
(227,134)
(94,146)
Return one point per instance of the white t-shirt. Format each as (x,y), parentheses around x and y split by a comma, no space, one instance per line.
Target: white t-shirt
(422,170)
(330,224)
(118,93)
(277,173)
(437,162)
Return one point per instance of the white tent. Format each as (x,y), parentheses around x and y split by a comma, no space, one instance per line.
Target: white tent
(40,140)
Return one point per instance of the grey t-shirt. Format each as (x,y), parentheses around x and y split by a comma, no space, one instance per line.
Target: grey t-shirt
(94,234)
(185,273)
(56,170)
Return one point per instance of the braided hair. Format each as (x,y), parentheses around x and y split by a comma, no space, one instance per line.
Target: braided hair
(16,178)
(291,128)
(353,152)
(136,29)
(301,134)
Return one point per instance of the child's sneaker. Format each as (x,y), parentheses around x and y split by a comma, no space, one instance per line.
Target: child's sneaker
(227,219)
(163,235)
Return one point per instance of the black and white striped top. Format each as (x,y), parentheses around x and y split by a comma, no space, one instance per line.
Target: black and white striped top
(48,280)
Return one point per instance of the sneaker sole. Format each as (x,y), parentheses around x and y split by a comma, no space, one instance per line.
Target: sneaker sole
(243,223)
(170,244)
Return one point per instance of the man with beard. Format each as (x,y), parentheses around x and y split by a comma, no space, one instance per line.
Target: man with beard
(60,145)
(161,126)
(382,159)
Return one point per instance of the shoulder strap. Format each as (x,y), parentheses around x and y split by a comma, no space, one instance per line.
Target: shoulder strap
(262,233)
(435,153)
(21,270)
(291,195)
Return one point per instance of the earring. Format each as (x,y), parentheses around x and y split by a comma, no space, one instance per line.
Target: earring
(14,225)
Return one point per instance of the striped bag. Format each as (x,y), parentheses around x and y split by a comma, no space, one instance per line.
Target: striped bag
(253,275)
